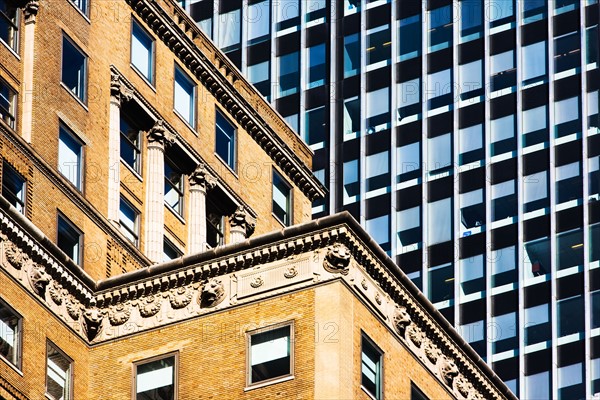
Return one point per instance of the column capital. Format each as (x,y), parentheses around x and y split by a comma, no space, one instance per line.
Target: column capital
(242,220)
(202,178)
(159,135)
(118,91)
(30,10)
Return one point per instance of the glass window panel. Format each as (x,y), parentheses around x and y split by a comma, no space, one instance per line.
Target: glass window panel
(441,284)
(289,77)
(440,28)
(13,187)
(504,266)
(537,324)
(58,374)
(225,146)
(155,380)
(9,24)
(379,229)
(10,335)
(534,60)
(351,55)
(69,157)
(470,76)
(408,160)
(498,10)
(371,374)
(258,20)
(440,221)
(315,135)
(286,10)
(282,199)
(229,30)
(566,110)
(8,101)
(502,62)
(471,16)
(503,332)
(68,239)
(128,221)
(470,138)
(534,119)
(439,152)
(570,315)
(351,118)
(378,109)
(409,32)
(316,65)
(473,332)
(378,44)
(142,47)
(258,72)
(569,249)
(74,74)
(184,96)
(537,386)
(537,258)
(270,354)
(351,184)
(502,128)
(472,272)
(439,83)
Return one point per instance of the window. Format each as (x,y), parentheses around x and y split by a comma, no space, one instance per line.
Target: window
(439,89)
(13,187)
(471,18)
(570,382)
(504,266)
(82,5)
(472,274)
(350,182)
(315,128)
(9,23)
(173,187)
(130,145)
(215,224)
(535,191)
(409,97)
(185,97)
(270,354)
(378,110)
(408,162)
(534,60)
(416,393)
(371,368)
(408,223)
(10,335)
(566,52)
(282,199)
(155,379)
(502,69)
(170,251)
(472,209)
(439,153)
(142,51)
(129,221)
(536,258)
(258,75)
(8,103)
(74,69)
(58,374)
(537,386)
(259,21)
(378,173)
(499,12)
(535,126)
(230,24)
(474,334)
(379,229)
(441,283)
(70,152)
(379,45)
(537,324)
(470,144)
(289,75)
(569,185)
(570,316)
(567,116)
(225,140)
(440,28)
(503,332)
(69,239)
(351,118)
(316,66)
(286,14)
(470,79)
(409,31)
(440,221)
(504,200)
(351,55)
(502,131)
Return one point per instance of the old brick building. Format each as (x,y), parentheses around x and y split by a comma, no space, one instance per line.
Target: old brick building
(136,164)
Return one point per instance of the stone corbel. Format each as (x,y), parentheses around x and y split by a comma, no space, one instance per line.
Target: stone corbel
(241,220)
(118,91)
(202,178)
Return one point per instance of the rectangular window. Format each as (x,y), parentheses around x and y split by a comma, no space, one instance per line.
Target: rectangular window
(170,251)
(379,45)
(351,118)
(69,239)
(439,89)
(258,19)
(70,151)
(409,32)
(185,97)
(408,223)
(534,61)
(472,275)
(258,75)
(537,386)
(439,153)
(8,103)
(130,144)
(270,354)
(225,140)
(566,52)
(282,199)
(569,185)
(537,324)
(129,221)
(215,224)
(503,332)
(567,117)
(351,55)
(142,51)
(499,12)
(82,5)
(371,368)
(472,209)
(13,187)
(470,79)
(440,221)
(535,125)
(10,335)
(471,18)
(59,373)
(350,182)
(378,110)
(74,69)
(409,97)
(230,25)
(315,127)
(317,70)
(441,283)
(173,187)
(287,13)
(570,316)
(155,379)
(502,131)
(535,191)
(470,144)
(440,28)
(409,162)
(504,200)
(379,229)
(504,265)
(9,24)
(378,172)
(289,75)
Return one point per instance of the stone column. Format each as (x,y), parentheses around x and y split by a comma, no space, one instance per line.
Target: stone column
(30,10)
(118,94)
(201,181)
(241,225)
(158,138)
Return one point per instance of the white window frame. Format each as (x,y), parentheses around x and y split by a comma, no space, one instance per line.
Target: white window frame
(278,379)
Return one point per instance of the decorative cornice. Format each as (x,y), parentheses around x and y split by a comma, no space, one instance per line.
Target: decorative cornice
(298,257)
(225,87)
(202,178)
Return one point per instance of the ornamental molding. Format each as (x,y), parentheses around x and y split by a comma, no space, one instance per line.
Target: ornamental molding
(202,178)
(134,302)
(227,85)
(243,220)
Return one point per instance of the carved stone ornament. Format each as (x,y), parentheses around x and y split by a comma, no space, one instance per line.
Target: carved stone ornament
(242,219)
(119,314)
(92,321)
(448,370)
(465,388)
(14,255)
(432,352)
(290,272)
(180,297)
(149,306)
(257,282)
(213,293)
(30,10)
(363,283)
(159,134)
(201,177)
(73,308)
(337,259)
(378,298)
(416,335)
(118,91)
(57,292)
(401,320)
(38,279)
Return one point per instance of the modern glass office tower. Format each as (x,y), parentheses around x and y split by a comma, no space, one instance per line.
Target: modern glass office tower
(464,135)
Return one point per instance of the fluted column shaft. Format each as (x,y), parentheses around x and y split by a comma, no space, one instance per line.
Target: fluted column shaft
(200,182)
(114,149)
